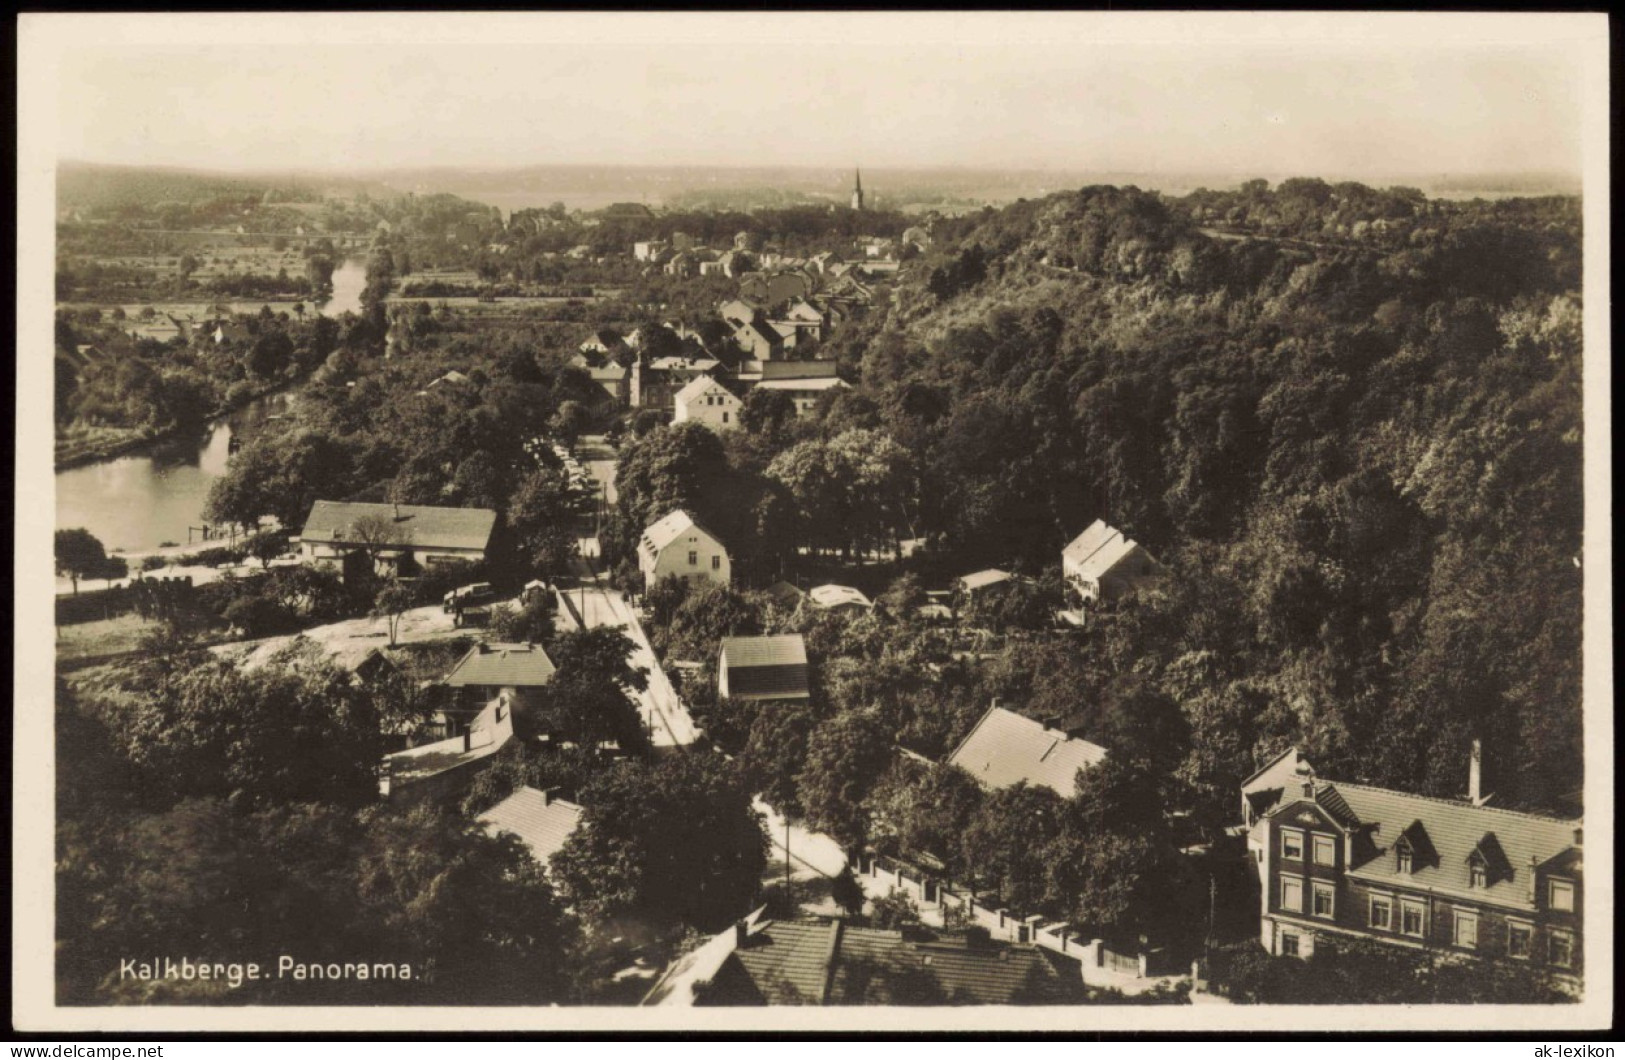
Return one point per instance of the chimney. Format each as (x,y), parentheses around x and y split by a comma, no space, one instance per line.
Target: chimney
(1534,863)
(741,933)
(1475,773)
(1577,831)
(468,740)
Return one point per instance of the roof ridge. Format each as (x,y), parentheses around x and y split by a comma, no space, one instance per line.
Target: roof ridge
(1456,803)
(973,729)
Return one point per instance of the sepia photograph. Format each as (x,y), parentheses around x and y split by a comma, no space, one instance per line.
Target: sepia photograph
(818,521)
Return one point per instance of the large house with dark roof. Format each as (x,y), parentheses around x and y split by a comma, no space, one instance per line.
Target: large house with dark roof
(1005,749)
(1453,877)
(764,669)
(829,962)
(401,539)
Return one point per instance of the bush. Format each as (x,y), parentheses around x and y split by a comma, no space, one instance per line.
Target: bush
(257,616)
(213,557)
(154,563)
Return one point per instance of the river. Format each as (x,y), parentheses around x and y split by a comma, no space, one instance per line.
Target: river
(150,497)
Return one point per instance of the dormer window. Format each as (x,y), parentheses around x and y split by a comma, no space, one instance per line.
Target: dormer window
(1560,895)
(1403,858)
(1477,875)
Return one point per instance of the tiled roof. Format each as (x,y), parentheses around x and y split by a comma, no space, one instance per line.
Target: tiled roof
(801,962)
(699,967)
(541,823)
(803,384)
(1454,830)
(838,596)
(664,531)
(766,334)
(1005,748)
(823,369)
(1093,553)
(502,666)
(784,594)
(330,522)
(784,649)
(670,364)
(697,387)
(788,960)
(983,578)
(765,667)
(490,730)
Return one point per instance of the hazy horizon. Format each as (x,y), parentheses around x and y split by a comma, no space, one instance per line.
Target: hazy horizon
(1355,98)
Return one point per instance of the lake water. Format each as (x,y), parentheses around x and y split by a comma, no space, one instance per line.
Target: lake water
(146,498)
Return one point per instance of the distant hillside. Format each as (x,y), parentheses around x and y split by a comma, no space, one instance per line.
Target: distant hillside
(82,185)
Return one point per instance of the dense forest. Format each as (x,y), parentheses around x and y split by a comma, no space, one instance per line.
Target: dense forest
(1362,461)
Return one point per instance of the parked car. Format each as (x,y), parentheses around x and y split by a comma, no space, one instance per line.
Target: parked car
(470,596)
(471,617)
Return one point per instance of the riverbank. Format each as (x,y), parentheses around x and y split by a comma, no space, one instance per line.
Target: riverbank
(70,455)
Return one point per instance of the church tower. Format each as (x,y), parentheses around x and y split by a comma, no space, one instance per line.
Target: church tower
(857,190)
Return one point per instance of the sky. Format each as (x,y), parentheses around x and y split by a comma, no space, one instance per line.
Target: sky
(1156,93)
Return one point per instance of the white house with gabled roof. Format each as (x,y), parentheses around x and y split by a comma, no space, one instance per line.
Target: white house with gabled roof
(1103,563)
(704,400)
(677,545)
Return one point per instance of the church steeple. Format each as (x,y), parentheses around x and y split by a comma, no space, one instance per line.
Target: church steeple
(857,190)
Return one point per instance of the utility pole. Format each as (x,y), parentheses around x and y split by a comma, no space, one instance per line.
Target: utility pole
(787,896)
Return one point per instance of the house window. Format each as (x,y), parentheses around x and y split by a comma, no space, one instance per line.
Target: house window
(1382,913)
(1289,944)
(1412,918)
(1520,939)
(1404,860)
(1292,844)
(716,562)
(1325,899)
(1562,949)
(1325,850)
(693,559)
(1476,876)
(724,417)
(1464,929)
(1560,895)
(1291,893)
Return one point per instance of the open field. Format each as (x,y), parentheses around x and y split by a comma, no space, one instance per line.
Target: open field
(90,640)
